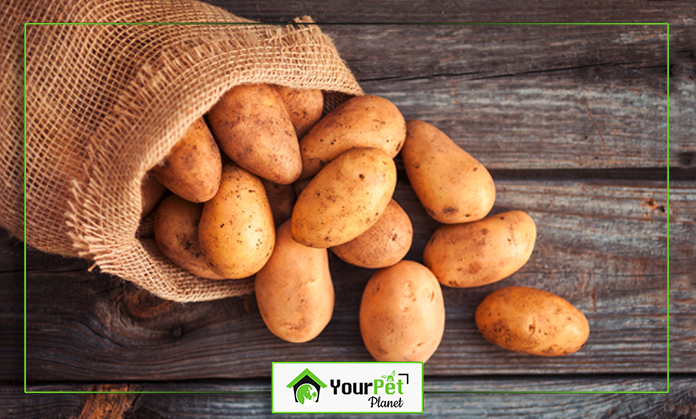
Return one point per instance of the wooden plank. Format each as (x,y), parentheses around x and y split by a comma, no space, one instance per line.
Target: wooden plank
(580,97)
(679,13)
(601,245)
(11,325)
(534,97)
(526,96)
(679,403)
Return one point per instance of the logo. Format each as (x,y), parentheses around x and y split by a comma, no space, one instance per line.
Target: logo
(347,387)
(306,387)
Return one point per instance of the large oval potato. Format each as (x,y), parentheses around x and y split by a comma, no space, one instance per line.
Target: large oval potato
(294,289)
(193,166)
(176,234)
(304,106)
(345,199)
(402,313)
(383,244)
(452,186)
(482,252)
(363,121)
(236,231)
(532,321)
(252,125)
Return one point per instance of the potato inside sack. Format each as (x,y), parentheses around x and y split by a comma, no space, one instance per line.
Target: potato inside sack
(236,230)
(193,166)
(176,234)
(252,126)
(532,321)
(294,289)
(363,121)
(345,199)
(304,107)
(402,313)
(383,244)
(452,185)
(483,252)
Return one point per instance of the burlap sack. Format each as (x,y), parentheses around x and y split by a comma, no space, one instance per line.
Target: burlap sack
(106,103)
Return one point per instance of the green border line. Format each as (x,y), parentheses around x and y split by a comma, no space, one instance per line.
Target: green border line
(27,24)
(24,200)
(668,208)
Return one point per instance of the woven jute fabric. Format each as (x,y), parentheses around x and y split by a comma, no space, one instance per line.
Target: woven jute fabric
(105,103)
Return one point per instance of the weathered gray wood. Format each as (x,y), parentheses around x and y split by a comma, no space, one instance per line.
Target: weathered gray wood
(679,403)
(516,98)
(601,245)
(11,332)
(679,13)
(526,96)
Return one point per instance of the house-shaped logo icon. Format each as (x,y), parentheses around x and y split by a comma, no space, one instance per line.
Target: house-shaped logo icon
(306,387)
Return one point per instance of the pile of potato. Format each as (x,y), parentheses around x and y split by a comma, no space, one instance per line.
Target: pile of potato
(270,206)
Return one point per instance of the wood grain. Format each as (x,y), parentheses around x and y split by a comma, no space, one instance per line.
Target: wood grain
(678,404)
(601,245)
(571,120)
(678,12)
(108,406)
(526,96)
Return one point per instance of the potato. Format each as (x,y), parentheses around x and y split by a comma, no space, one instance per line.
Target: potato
(452,186)
(294,290)
(304,107)
(402,313)
(193,166)
(151,193)
(345,199)
(236,231)
(363,121)
(482,252)
(383,244)
(253,127)
(282,200)
(176,234)
(532,321)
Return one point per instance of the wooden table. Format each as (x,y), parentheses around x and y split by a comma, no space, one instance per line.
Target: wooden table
(570,120)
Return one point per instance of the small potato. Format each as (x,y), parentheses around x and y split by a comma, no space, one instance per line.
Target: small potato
(282,200)
(363,121)
(304,107)
(176,234)
(452,186)
(236,231)
(193,166)
(151,192)
(532,321)
(252,125)
(482,252)
(402,314)
(294,289)
(383,244)
(345,199)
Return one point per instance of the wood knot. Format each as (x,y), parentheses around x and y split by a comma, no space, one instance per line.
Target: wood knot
(178,332)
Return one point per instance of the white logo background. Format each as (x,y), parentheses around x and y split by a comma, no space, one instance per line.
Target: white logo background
(411,401)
